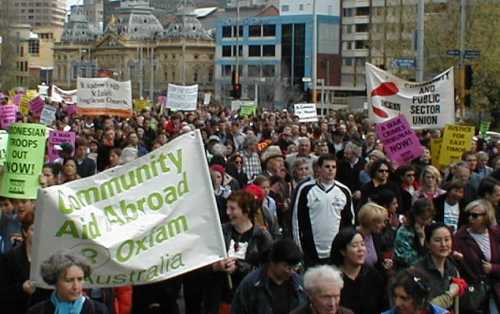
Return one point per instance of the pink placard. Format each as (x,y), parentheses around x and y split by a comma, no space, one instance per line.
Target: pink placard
(36,106)
(7,115)
(58,138)
(17,99)
(71,109)
(401,144)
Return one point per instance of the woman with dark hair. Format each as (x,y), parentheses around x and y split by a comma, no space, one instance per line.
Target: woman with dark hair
(234,168)
(246,244)
(69,170)
(380,171)
(410,238)
(410,292)
(445,284)
(362,291)
(50,173)
(66,273)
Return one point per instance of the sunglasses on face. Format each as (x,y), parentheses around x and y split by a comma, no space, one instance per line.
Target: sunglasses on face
(476,215)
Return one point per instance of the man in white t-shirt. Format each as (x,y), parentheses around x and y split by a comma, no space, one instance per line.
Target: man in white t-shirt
(449,207)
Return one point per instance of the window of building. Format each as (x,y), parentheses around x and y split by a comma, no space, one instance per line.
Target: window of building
(301,7)
(348,12)
(226,31)
(268,70)
(254,51)
(210,75)
(360,44)
(361,28)
(240,51)
(34,46)
(363,11)
(285,8)
(226,70)
(240,32)
(254,70)
(255,30)
(226,51)
(268,50)
(195,76)
(269,30)
(348,61)
(330,9)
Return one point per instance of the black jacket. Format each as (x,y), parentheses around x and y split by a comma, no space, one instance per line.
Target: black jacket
(439,210)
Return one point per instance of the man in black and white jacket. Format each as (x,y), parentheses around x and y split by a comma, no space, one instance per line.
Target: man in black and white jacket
(320,208)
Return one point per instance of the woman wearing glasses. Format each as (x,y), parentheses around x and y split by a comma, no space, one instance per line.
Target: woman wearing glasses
(380,171)
(430,179)
(479,243)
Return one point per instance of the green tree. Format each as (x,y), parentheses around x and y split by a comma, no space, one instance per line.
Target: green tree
(8,47)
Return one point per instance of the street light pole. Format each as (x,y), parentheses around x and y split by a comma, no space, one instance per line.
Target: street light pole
(184,43)
(420,40)
(314,51)
(237,71)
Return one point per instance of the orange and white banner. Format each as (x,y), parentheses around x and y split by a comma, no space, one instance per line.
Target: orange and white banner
(104,96)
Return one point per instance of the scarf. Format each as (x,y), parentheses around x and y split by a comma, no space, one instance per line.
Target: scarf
(63,307)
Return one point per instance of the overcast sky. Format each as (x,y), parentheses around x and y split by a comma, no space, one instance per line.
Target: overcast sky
(72,2)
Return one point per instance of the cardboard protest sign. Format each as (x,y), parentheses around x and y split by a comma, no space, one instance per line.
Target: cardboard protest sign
(104,96)
(436,151)
(4,138)
(426,105)
(141,104)
(248,110)
(456,140)
(146,221)
(484,127)
(401,144)
(58,138)
(25,100)
(206,99)
(36,106)
(182,97)
(306,112)
(237,104)
(24,161)
(48,115)
(60,95)
(7,115)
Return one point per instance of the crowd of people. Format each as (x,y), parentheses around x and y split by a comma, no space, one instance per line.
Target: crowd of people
(315,217)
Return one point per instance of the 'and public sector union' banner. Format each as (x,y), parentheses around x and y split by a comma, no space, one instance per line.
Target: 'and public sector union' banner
(183,98)
(101,96)
(149,220)
(457,139)
(426,105)
(60,95)
(306,112)
(24,161)
(401,143)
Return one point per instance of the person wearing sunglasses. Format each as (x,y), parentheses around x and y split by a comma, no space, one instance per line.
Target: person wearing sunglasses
(380,171)
(479,243)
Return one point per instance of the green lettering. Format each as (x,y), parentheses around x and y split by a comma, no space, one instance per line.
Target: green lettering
(69,228)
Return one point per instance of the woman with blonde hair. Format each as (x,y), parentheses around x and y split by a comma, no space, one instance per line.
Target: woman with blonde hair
(430,180)
(372,219)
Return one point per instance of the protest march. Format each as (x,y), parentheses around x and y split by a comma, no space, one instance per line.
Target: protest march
(110,204)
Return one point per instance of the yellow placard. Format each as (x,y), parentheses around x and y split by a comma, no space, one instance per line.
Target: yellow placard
(140,105)
(456,140)
(435,150)
(25,100)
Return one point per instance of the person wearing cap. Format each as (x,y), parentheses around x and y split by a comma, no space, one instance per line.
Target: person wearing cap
(65,150)
(275,287)
(251,161)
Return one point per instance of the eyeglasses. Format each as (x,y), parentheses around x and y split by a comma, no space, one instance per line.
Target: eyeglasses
(476,215)
(383,170)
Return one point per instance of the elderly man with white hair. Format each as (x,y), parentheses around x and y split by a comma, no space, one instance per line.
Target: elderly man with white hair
(304,152)
(322,285)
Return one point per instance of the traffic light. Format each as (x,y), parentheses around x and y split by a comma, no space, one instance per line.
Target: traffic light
(468,79)
(236,92)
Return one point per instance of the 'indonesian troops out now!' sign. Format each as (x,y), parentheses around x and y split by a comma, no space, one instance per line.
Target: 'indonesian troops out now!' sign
(426,105)
(101,96)
(148,220)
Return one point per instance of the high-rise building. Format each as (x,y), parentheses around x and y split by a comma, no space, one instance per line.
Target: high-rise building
(94,10)
(40,12)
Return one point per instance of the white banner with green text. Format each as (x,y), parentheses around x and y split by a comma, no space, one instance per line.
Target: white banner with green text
(146,221)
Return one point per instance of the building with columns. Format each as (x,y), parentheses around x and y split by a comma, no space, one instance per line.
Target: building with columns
(136,46)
